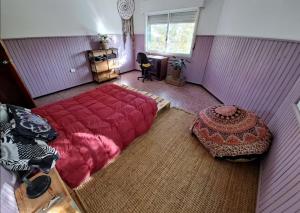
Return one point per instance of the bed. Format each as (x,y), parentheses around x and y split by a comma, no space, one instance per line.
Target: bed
(95,126)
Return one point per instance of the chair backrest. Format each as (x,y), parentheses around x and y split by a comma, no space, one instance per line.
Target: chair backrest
(142,58)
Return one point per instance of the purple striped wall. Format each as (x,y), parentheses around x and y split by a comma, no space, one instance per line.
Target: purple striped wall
(256,74)
(195,70)
(44,63)
(279,189)
(264,76)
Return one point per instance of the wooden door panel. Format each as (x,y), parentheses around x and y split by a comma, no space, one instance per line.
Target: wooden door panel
(12,88)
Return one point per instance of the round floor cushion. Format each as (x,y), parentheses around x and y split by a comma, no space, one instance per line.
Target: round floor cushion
(232,133)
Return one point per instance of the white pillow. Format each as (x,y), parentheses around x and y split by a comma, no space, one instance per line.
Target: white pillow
(3,113)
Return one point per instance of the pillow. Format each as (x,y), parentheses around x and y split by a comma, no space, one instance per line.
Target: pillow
(4,119)
(19,153)
(3,113)
(232,133)
(30,125)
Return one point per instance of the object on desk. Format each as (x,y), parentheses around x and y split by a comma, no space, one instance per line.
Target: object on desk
(159,66)
(104,64)
(145,66)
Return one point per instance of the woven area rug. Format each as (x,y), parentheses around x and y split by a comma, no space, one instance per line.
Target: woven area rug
(167,170)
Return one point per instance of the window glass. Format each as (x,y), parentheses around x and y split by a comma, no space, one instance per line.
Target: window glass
(157,37)
(180,38)
(171,32)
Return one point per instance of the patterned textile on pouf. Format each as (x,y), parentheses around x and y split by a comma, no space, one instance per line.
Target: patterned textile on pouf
(232,133)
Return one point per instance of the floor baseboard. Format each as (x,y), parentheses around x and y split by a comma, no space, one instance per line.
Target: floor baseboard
(206,91)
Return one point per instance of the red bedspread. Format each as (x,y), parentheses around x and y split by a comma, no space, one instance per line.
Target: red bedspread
(94,127)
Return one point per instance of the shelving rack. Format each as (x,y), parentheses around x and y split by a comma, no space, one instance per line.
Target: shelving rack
(104,64)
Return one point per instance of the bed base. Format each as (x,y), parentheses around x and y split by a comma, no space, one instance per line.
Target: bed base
(162,104)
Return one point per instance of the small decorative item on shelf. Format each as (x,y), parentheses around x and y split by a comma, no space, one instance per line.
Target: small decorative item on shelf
(175,71)
(104,41)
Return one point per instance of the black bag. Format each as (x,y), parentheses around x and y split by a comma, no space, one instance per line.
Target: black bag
(30,125)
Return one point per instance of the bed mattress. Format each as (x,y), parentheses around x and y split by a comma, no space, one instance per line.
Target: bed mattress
(94,127)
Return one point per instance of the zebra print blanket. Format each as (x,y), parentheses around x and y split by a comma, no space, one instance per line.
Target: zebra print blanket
(23,139)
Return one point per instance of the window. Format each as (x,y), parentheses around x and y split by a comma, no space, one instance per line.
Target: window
(171,32)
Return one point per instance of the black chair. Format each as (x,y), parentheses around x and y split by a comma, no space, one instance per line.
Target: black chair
(145,65)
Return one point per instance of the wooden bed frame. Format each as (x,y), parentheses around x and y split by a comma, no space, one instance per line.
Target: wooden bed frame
(162,104)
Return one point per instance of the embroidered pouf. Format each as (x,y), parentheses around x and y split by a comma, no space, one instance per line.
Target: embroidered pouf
(232,133)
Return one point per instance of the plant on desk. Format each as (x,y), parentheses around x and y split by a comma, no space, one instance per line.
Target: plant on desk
(175,71)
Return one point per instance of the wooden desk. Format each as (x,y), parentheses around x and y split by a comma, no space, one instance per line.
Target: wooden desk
(160,66)
(57,187)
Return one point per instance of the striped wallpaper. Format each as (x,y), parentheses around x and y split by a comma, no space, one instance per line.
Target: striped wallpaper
(256,74)
(279,189)
(196,69)
(44,63)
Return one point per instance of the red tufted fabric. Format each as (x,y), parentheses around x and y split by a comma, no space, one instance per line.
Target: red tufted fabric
(94,127)
(232,133)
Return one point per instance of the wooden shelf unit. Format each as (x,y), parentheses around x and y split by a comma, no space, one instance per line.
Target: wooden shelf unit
(107,65)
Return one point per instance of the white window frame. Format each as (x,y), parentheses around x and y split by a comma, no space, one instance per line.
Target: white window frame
(197,9)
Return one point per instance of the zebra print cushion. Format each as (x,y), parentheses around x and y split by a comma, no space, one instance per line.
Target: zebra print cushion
(3,113)
(16,155)
(17,150)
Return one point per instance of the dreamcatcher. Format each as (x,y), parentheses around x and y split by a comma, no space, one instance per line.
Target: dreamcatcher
(126,9)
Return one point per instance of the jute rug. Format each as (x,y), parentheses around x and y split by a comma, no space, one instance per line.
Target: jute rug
(168,170)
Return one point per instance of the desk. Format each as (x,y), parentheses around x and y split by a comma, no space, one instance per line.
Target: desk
(160,66)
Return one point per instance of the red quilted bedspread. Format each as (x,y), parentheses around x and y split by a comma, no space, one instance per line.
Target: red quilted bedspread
(94,127)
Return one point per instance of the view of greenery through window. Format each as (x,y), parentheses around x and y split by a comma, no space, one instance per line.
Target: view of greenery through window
(178,40)
(157,37)
(171,32)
